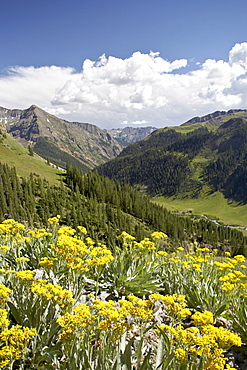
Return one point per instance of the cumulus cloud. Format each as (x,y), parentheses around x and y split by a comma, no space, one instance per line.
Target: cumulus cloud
(142,89)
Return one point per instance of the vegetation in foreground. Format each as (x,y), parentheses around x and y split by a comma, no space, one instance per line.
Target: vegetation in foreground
(68,302)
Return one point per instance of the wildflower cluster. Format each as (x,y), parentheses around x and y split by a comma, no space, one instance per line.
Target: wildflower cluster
(232,277)
(80,254)
(12,340)
(54,220)
(25,275)
(117,315)
(4,293)
(203,343)
(66,301)
(38,233)
(11,227)
(174,305)
(53,292)
(75,322)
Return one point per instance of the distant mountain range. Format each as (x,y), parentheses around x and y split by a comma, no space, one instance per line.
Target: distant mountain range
(81,144)
(130,135)
(204,154)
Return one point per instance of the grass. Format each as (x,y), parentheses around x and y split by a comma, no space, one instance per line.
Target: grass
(215,206)
(16,155)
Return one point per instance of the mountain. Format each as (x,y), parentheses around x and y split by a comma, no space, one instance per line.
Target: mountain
(82,144)
(130,135)
(207,152)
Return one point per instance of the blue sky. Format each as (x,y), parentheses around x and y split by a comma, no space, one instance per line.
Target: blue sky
(115,63)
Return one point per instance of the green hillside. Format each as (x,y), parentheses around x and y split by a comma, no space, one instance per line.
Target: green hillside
(105,208)
(214,206)
(14,154)
(181,161)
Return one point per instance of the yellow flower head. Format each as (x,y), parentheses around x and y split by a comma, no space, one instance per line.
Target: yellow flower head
(203,318)
(158,235)
(54,220)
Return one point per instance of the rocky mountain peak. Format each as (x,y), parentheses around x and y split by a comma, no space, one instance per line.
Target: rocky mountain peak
(50,136)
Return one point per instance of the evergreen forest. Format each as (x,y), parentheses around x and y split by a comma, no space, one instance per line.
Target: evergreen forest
(174,163)
(105,208)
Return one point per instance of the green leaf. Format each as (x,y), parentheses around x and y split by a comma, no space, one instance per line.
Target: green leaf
(221,309)
(126,356)
(15,313)
(146,365)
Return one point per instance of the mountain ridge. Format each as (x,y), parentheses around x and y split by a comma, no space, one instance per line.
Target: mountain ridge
(82,144)
(213,115)
(177,161)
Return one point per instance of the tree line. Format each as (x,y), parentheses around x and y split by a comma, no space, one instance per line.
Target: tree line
(105,208)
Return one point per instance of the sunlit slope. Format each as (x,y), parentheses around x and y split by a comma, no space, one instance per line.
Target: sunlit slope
(214,206)
(14,154)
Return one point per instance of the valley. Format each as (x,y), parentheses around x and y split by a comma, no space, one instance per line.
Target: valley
(214,206)
(190,170)
(101,241)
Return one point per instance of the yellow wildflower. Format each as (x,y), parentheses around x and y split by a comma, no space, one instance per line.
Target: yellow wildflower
(3,318)
(227,287)
(76,321)
(239,258)
(126,237)
(54,220)
(82,229)
(17,336)
(4,293)
(180,354)
(158,235)
(25,275)
(47,262)
(22,259)
(203,318)
(53,291)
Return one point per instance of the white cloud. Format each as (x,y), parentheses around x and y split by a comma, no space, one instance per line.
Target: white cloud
(143,122)
(141,89)
(24,86)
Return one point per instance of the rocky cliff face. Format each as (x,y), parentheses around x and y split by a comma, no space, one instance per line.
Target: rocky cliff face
(8,116)
(53,138)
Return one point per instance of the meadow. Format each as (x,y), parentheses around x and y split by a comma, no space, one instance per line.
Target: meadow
(14,154)
(214,205)
(70,303)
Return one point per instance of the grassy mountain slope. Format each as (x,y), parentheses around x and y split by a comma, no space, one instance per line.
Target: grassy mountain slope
(15,154)
(82,144)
